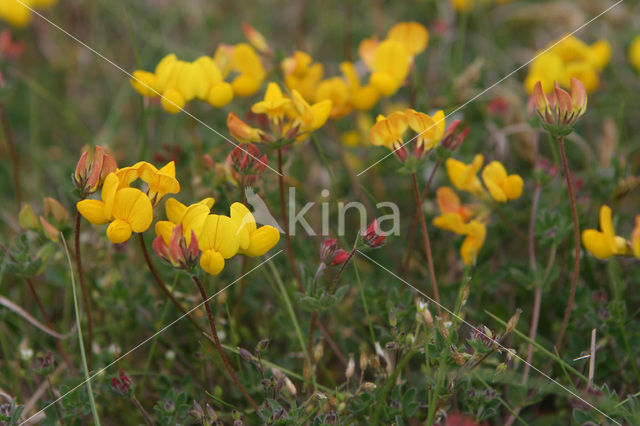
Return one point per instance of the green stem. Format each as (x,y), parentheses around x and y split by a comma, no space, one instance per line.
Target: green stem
(85,369)
(364,303)
(388,385)
(625,340)
(293,317)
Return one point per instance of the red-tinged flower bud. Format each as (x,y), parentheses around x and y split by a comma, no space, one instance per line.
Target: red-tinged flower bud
(331,254)
(50,231)
(373,236)
(56,211)
(452,139)
(89,176)
(559,110)
(401,152)
(44,364)
(122,384)
(208,160)
(242,131)
(340,257)
(256,39)
(498,106)
(246,164)
(178,253)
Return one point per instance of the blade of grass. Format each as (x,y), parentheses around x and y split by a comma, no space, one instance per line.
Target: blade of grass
(85,369)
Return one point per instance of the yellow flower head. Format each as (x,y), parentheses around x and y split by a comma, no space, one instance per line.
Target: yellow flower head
(429,129)
(635,238)
(412,35)
(390,67)
(454,215)
(362,98)
(336,90)
(274,104)
(308,118)
(501,186)
(128,209)
(161,182)
(605,243)
(190,217)
(18,13)
(253,241)
(475,236)
(246,62)
(301,74)
(218,240)
(634,53)
(388,130)
(464,176)
(242,131)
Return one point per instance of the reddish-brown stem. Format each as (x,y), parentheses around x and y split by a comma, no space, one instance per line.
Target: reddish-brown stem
(427,244)
(214,334)
(335,280)
(285,219)
(13,154)
(312,330)
(414,222)
(53,398)
(576,238)
(144,413)
(161,285)
(537,300)
(83,287)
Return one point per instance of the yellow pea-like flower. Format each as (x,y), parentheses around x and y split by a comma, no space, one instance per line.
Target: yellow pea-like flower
(218,240)
(635,238)
(336,90)
(388,130)
(161,182)
(253,241)
(301,74)
(412,35)
(390,67)
(429,129)
(128,209)
(191,218)
(308,118)
(18,13)
(501,186)
(454,215)
(274,104)
(605,243)
(634,53)
(464,176)
(476,234)
(246,61)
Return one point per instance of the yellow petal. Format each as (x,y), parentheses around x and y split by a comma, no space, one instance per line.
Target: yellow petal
(212,262)
(175,210)
(226,237)
(164,228)
(109,189)
(597,244)
(143,82)
(220,94)
(173,101)
(141,214)
(513,187)
(451,222)
(262,240)
(93,211)
(119,231)
(244,222)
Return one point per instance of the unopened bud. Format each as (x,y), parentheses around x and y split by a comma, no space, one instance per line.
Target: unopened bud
(28,219)
(49,230)
(318,351)
(53,209)
(122,384)
(364,360)
(245,354)
(262,345)
(351,368)
(393,321)
(513,321)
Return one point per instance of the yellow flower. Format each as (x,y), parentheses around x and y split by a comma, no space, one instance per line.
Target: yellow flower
(274,104)
(501,186)
(367,50)
(301,75)
(161,182)
(390,67)
(253,241)
(242,131)
(605,243)
(191,218)
(18,13)
(128,209)
(429,129)
(388,130)
(211,86)
(335,89)
(308,118)
(454,215)
(476,233)
(363,98)
(256,39)
(634,53)
(246,62)
(218,240)
(464,176)
(412,35)
(346,92)
(635,238)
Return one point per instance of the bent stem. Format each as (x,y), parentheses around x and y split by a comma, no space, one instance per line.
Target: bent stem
(83,285)
(214,334)
(576,237)
(427,244)
(144,413)
(161,285)
(283,208)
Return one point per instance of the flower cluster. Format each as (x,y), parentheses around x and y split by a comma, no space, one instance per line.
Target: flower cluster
(470,221)
(18,14)
(218,237)
(289,118)
(560,110)
(178,82)
(604,243)
(388,131)
(566,59)
(387,63)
